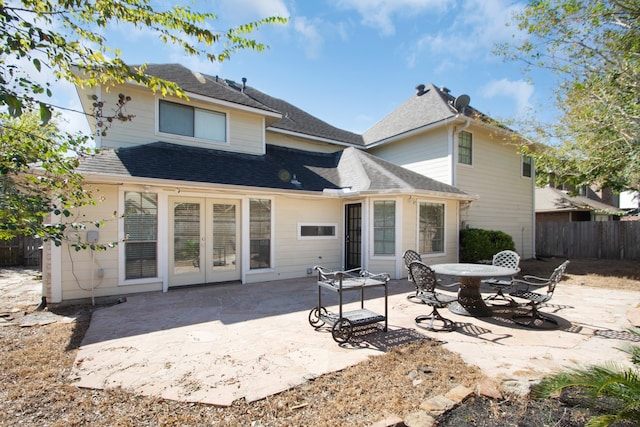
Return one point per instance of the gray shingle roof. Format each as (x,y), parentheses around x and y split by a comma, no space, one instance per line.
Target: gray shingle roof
(293,119)
(297,120)
(279,168)
(204,85)
(365,172)
(553,200)
(433,105)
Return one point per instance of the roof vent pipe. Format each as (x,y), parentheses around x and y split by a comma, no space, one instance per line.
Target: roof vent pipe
(244,84)
(420,90)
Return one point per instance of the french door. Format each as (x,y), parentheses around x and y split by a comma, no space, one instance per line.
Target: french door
(204,240)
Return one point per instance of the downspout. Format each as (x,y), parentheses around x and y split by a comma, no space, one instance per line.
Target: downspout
(454,175)
(458,221)
(533,216)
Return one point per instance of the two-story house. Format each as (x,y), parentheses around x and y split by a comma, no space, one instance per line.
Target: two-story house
(235,185)
(443,137)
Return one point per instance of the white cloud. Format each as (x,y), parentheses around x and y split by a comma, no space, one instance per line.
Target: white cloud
(380,13)
(488,20)
(310,36)
(519,90)
(476,27)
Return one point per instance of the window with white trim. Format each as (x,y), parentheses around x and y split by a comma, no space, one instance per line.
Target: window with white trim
(527,164)
(260,233)
(141,235)
(185,120)
(465,148)
(431,228)
(317,231)
(384,227)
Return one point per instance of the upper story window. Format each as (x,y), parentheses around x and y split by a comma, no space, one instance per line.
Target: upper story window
(465,148)
(527,166)
(180,119)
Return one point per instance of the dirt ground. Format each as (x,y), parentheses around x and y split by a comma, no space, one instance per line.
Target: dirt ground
(37,359)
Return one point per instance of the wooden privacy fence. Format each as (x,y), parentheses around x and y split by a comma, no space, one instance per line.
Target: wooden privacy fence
(589,239)
(23,251)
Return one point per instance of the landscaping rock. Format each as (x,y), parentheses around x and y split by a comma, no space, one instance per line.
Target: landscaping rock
(419,419)
(489,388)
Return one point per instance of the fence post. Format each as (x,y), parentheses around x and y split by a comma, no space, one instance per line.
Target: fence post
(621,230)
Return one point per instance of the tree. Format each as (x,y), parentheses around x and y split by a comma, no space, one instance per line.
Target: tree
(37,176)
(593,47)
(66,38)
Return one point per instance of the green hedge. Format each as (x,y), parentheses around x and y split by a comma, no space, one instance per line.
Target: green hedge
(478,245)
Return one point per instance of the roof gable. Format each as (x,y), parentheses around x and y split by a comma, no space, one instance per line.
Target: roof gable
(376,174)
(428,106)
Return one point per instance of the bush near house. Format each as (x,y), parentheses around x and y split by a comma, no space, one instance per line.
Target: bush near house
(480,245)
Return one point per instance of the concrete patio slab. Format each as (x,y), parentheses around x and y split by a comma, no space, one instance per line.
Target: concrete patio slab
(219,343)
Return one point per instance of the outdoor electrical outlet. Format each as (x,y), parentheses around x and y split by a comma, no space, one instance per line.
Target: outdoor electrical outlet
(309,270)
(101,272)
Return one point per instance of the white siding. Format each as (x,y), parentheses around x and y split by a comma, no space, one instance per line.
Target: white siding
(505,197)
(294,256)
(407,236)
(289,141)
(245,131)
(426,154)
(80,269)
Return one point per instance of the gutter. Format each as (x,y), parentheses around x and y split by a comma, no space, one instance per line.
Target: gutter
(184,186)
(411,132)
(341,193)
(314,138)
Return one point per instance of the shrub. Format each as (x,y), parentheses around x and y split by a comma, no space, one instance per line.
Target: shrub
(478,245)
(612,381)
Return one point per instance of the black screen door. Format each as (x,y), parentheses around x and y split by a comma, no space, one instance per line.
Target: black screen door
(353,236)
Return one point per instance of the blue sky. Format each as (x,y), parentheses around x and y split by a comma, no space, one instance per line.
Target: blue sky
(351,62)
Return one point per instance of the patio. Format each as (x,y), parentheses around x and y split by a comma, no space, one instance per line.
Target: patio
(219,343)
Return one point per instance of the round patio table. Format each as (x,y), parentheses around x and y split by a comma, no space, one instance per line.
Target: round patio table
(470,302)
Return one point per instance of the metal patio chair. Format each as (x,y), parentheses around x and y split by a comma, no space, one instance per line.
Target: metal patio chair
(426,281)
(409,256)
(537,298)
(509,259)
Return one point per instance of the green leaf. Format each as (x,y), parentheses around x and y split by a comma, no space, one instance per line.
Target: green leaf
(45,113)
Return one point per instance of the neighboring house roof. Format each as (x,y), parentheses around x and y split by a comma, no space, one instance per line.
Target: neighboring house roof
(280,168)
(293,119)
(553,200)
(430,105)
